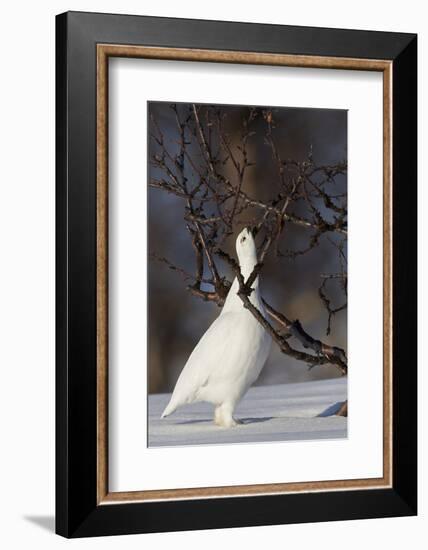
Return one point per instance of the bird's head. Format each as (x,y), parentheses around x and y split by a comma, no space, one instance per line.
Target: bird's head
(246,248)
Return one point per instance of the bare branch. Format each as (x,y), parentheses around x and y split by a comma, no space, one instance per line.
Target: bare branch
(209,171)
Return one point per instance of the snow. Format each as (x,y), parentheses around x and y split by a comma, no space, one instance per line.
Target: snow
(268,413)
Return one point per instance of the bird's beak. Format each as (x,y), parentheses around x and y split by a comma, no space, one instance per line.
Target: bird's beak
(252,230)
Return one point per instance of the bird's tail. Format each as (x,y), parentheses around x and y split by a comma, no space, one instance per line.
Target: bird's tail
(170,408)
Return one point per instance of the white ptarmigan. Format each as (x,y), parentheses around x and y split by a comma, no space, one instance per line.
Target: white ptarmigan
(230,355)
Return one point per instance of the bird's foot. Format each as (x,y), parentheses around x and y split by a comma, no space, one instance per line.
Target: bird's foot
(227,423)
(224,419)
(236,422)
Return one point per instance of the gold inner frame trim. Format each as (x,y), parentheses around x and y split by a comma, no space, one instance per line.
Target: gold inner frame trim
(104,51)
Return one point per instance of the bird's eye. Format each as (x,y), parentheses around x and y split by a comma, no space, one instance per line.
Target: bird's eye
(243,239)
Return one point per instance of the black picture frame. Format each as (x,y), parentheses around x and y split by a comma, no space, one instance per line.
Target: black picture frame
(78,513)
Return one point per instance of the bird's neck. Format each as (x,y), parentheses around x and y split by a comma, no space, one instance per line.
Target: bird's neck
(247,268)
(233,301)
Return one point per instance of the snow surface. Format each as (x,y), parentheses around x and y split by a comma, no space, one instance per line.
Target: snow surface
(268,413)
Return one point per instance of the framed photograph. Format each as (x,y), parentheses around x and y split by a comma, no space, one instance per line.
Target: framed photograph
(236,274)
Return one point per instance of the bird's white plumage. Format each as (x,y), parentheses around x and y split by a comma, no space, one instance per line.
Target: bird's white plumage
(230,355)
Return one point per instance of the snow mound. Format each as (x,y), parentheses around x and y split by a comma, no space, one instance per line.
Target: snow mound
(286,412)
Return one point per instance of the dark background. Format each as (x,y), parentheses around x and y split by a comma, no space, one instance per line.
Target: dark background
(177,319)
